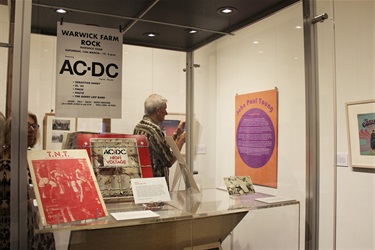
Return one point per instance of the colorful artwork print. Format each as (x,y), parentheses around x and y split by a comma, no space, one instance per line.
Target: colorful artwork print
(366,133)
(239,185)
(66,189)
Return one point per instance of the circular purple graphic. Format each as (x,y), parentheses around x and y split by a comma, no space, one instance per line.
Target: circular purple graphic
(255,138)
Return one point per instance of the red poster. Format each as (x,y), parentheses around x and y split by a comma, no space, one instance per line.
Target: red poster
(65,186)
(256,137)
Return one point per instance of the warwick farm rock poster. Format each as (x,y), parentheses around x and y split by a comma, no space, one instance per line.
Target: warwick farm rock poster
(88,74)
(256,137)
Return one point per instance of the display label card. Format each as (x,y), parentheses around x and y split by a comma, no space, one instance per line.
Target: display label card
(274,199)
(134,215)
(146,190)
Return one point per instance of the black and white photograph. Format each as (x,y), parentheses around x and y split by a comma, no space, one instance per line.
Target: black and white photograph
(57,137)
(54,129)
(239,185)
(61,124)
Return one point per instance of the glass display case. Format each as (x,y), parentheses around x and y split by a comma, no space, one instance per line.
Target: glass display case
(189,219)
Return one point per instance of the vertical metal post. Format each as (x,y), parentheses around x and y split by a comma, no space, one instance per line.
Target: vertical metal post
(19,101)
(189,108)
(11,6)
(312,127)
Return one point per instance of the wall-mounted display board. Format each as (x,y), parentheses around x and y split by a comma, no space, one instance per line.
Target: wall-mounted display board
(256,137)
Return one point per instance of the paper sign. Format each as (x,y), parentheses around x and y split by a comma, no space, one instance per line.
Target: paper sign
(147,190)
(89,71)
(134,215)
(274,199)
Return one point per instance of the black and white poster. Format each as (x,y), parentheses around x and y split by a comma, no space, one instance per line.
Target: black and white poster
(89,71)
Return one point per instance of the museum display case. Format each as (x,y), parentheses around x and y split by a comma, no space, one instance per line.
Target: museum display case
(189,219)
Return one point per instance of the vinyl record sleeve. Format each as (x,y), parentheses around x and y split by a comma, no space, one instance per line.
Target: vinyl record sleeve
(83,142)
(116,158)
(65,186)
(116,162)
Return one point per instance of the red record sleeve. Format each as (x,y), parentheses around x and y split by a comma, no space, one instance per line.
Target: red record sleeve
(84,142)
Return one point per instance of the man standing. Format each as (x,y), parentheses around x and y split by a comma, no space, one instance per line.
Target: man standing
(161,155)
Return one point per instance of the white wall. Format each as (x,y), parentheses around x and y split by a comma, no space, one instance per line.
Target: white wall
(355,50)
(146,71)
(346,74)
(234,64)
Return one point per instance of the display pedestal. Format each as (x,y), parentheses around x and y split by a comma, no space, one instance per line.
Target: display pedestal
(161,235)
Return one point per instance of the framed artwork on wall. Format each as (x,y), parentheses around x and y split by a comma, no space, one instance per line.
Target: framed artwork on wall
(361,133)
(54,129)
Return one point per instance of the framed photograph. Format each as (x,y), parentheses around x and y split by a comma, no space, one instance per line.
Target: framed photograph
(55,128)
(361,133)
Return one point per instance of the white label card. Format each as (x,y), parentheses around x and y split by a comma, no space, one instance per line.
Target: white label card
(146,190)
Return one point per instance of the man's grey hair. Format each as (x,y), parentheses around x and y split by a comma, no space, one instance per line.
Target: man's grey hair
(153,102)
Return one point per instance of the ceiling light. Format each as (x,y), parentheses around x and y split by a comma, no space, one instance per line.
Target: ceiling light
(226,10)
(192,31)
(151,34)
(61,11)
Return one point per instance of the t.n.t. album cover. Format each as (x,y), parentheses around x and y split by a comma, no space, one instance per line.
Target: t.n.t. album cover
(65,186)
